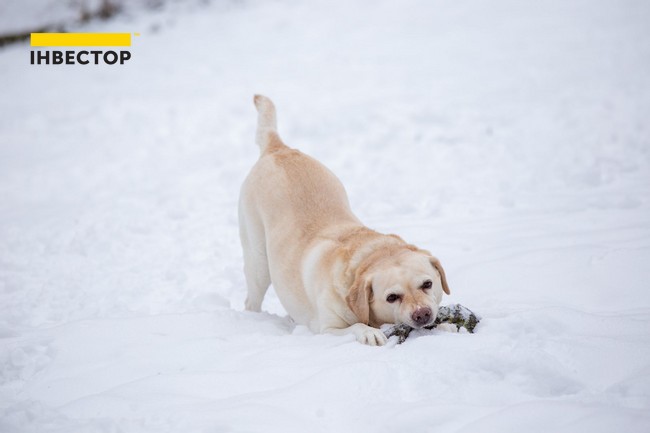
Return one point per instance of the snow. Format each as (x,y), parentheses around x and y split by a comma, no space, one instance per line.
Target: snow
(510,138)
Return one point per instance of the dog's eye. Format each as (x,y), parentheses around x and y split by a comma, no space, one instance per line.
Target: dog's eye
(392,298)
(426,284)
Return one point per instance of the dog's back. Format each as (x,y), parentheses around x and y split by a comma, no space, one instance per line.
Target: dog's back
(293,185)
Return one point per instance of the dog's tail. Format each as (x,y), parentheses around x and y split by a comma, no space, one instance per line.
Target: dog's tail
(267,137)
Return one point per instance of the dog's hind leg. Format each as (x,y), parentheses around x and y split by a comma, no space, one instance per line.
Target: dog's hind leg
(256,270)
(256,265)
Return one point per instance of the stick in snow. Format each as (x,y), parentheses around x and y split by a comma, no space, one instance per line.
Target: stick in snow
(454,313)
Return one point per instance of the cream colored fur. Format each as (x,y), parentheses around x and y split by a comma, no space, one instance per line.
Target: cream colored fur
(330,272)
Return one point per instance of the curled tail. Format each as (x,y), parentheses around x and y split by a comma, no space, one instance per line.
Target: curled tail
(267,128)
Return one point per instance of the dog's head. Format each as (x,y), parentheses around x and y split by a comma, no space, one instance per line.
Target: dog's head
(403,286)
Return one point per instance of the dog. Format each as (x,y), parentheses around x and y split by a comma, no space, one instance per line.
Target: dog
(331,273)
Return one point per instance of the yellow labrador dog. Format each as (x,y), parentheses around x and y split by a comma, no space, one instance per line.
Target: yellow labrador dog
(330,272)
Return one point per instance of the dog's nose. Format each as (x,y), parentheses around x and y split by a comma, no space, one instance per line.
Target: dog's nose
(422,316)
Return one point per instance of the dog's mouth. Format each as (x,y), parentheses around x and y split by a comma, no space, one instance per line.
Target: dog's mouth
(420,326)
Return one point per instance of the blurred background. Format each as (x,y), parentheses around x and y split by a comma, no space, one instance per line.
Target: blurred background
(511,138)
(440,119)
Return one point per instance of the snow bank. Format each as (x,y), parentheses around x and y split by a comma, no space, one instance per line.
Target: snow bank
(510,138)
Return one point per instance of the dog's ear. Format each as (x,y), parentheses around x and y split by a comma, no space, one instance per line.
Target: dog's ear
(436,264)
(358,298)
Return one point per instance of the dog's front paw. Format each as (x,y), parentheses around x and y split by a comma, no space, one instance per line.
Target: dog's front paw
(369,335)
(363,333)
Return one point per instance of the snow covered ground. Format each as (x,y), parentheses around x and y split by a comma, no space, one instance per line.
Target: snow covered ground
(510,138)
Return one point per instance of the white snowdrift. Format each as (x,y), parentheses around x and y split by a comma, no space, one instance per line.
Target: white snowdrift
(510,138)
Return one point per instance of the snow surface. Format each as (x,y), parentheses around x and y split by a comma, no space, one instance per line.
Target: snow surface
(511,138)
